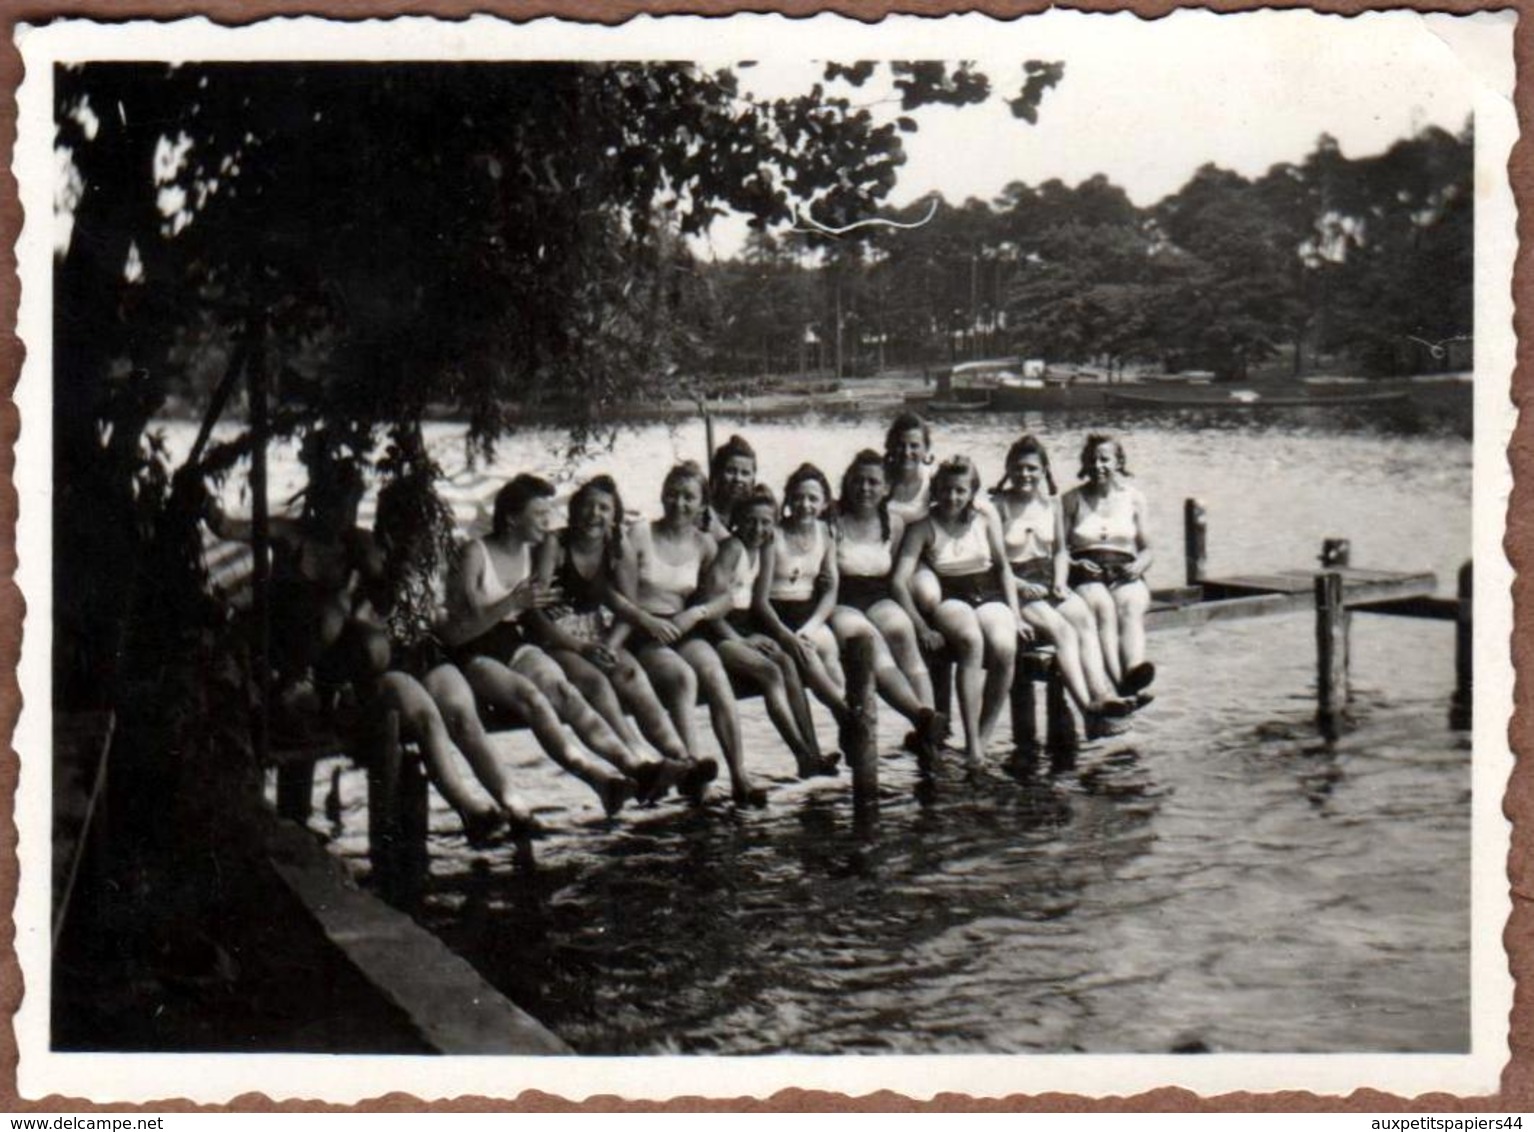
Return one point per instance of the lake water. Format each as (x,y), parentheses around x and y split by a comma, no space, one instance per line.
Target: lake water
(1219,878)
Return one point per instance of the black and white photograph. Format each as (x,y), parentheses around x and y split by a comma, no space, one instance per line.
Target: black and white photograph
(558,556)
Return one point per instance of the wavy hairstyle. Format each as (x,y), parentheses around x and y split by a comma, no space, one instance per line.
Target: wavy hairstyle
(1025,445)
(904,423)
(602,485)
(867,458)
(807,473)
(1095,441)
(959,466)
(760,495)
(514,497)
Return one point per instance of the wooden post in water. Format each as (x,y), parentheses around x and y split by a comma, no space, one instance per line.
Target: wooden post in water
(1336,552)
(1060,724)
(1025,723)
(1195,540)
(1460,714)
(383,758)
(861,739)
(1331,654)
(940,668)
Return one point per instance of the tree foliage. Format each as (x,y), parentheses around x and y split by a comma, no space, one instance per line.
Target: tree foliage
(382,241)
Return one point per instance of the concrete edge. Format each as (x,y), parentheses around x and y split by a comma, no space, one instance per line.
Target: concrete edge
(452,1007)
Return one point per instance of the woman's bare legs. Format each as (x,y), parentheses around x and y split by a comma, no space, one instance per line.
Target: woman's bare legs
(961,629)
(1106,614)
(891,682)
(454,698)
(714,686)
(894,624)
(1131,601)
(496,684)
(1080,618)
(999,628)
(677,685)
(772,674)
(1050,626)
(592,730)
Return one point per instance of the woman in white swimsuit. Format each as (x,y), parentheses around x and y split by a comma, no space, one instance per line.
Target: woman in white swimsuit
(1033,534)
(867,538)
(494,586)
(1108,535)
(745,646)
(978,616)
(672,556)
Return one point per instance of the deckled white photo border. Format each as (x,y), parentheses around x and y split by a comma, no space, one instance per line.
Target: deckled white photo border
(1483,45)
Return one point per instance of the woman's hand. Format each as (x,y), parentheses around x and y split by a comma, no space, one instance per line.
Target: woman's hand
(687,620)
(1059,592)
(804,648)
(1025,632)
(1031,591)
(1089,568)
(599,655)
(766,646)
(530,594)
(930,639)
(660,628)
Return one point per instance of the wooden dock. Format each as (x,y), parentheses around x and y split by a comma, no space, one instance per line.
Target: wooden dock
(1334,590)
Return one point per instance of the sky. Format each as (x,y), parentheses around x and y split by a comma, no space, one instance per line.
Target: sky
(1147,103)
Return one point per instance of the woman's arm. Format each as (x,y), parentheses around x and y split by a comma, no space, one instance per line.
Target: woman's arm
(1062,557)
(761,598)
(1143,556)
(622,595)
(827,582)
(714,605)
(1000,564)
(912,545)
(717,584)
(545,630)
(475,612)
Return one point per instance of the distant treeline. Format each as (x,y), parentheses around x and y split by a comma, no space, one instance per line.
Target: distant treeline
(1336,263)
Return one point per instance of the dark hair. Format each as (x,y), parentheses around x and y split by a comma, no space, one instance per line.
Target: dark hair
(1025,445)
(806,473)
(1093,442)
(960,466)
(904,423)
(685,470)
(735,446)
(760,495)
(512,499)
(867,458)
(605,485)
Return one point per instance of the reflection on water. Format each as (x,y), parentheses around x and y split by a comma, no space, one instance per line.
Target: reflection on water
(1220,878)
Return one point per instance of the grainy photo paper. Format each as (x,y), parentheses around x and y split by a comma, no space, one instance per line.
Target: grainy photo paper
(945,555)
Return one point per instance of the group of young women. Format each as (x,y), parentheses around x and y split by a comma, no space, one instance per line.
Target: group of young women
(618,630)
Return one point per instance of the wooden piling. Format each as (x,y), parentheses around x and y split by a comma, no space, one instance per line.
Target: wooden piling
(1332,620)
(1195,540)
(1025,724)
(1060,724)
(384,757)
(940,668)
(1336,552)
(861,741)
(295,789)
(1460,713)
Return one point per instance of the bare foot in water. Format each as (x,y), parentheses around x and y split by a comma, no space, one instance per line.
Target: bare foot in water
(614,792)
(747,794)
(695,779)
(654,780)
